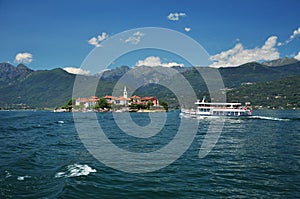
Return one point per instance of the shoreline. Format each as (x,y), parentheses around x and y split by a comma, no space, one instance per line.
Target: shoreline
(52,110)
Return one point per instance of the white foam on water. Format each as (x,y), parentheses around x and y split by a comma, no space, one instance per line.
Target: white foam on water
(209,117)
(60,122)
(75,170)
(218,117)
(7,174)
(60,174)
(21,178)
(269,118)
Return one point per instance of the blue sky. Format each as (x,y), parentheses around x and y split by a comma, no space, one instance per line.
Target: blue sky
(49,34)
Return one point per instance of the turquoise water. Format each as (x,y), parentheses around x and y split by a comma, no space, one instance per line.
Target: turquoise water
(42,156)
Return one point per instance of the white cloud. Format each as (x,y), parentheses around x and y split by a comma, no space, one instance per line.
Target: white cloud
(153,61)
(187,29)
(25,58)
(135,38)
(291,38)
(102,37)
(295,33)
(94,41)
(98,39)
(77,71)
(280,44)
(297,56)
(175,16)
(238,55)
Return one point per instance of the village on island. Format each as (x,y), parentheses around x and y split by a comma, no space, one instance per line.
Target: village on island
(115,104)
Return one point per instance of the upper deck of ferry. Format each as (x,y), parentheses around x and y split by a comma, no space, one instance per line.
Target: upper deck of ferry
(217,104)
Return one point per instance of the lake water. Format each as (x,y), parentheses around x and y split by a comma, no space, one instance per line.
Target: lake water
(42,156)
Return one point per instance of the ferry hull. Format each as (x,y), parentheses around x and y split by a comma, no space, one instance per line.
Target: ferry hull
(219,113)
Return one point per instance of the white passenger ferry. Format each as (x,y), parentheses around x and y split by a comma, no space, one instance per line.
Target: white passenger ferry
(218,109)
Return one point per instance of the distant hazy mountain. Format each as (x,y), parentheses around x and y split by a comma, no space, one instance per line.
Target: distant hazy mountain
(281,62)
(114,74)
(11,74)
(23,87)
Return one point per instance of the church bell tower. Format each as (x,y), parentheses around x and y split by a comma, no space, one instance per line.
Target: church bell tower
(125,92)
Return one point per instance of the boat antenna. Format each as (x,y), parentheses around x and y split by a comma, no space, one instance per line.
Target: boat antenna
(203,99)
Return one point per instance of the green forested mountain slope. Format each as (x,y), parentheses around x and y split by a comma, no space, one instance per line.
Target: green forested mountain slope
(283,93)
(21,86)
(47,88)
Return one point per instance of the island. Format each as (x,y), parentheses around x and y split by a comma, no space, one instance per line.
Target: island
(115,104)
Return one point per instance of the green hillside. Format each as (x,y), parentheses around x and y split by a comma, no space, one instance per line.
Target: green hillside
(255,72)
(283,93)
(276,87)
(40,89)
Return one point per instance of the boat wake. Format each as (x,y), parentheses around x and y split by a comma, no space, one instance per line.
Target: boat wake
(75,170)
(268,118)
(256,117)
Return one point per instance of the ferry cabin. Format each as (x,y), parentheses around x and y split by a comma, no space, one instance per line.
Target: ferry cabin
(221,109)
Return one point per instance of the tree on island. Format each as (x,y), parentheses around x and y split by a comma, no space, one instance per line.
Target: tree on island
(165,105)
(135,106)
(70,102)
(69,105)
(149,104)
(102,104)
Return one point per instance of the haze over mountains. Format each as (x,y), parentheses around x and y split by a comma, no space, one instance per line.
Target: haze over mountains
(281,62)
(21,87)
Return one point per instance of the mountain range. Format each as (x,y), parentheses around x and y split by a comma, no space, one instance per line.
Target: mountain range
(280,62)
(22,87)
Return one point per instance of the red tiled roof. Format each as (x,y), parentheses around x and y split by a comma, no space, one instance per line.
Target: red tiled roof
(90,99)
(135,97)
(93,99)
(108,97)
(82,100)
(122,98)
(148,98)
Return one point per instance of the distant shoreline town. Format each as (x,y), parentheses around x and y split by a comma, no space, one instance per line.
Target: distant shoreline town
(115,104)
